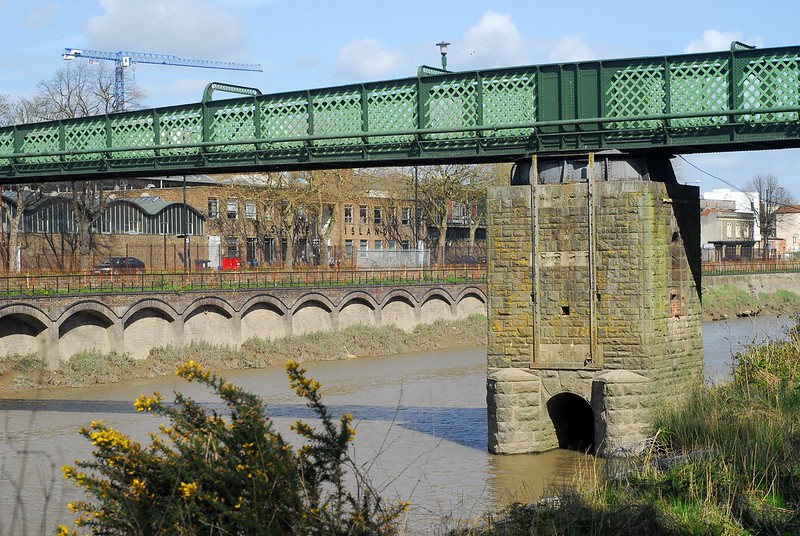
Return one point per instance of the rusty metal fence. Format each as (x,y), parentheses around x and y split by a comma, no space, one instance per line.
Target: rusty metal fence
(76,284)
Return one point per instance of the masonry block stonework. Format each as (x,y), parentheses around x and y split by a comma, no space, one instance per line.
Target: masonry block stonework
(594,310)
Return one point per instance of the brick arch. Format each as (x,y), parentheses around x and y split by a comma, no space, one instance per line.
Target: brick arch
(312,313)
(148,324)
(22,329)
(263,316)
(29,311)
(435,304)
(357,308)
(100,310)
(399,308)
(209,320)
(470,301)
(164,308)
(86,326)
(261,299)
(206,304)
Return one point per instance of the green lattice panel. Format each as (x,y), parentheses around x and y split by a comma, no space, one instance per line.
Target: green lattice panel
(285,117)
(132,130)
(337,112)
(6,146)
(234,122)
(509,98)
(635,90)
(88,135)
(452,104)
(392,108)
(40,139)
(698,87)
(771,82)
(179,127)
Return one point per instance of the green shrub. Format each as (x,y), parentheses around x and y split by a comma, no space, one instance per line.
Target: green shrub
(209,474)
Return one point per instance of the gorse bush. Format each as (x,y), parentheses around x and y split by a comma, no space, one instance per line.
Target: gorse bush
(209,473)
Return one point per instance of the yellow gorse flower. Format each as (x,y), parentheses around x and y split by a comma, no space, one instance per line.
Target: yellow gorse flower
(147,403)
(188,490)
(110,438)
(138,487)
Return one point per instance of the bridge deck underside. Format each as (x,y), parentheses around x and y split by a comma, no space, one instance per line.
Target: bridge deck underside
(737,100)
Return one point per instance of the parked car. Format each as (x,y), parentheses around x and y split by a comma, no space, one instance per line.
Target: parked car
(119,265)
(468,259)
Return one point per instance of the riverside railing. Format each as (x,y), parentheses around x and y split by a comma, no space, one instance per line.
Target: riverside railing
(750,267)
(80,284)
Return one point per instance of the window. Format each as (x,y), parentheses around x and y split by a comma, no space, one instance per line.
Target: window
(406,216)
(232,246)
(729,230)
(363,248)
(363,214)
(406,244)
(348,249)
(268,209)
(250,209)
(378,245)
(233,208)
(213,207)
(270,255)
(348,213)
(393,245)
(250,254)
(738,231)
(393,215)
(377,215)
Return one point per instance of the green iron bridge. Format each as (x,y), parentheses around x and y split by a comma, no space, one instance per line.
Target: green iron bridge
(740,99)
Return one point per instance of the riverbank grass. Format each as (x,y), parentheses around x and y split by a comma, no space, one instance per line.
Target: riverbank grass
(21,372)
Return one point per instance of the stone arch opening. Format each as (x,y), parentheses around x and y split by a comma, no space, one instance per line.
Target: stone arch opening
(573,419)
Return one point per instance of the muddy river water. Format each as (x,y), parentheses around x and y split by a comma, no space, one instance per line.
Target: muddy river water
(421,422)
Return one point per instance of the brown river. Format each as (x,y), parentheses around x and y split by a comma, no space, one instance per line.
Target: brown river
(421,421)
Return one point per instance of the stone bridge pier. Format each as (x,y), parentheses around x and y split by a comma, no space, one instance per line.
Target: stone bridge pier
(594,301)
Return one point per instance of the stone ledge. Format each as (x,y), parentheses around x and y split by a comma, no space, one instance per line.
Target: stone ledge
(511,375)
(620,376)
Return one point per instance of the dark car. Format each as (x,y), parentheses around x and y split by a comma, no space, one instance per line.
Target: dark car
(120,265)
(468,259)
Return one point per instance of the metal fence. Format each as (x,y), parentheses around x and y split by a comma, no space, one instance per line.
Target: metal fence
(750,267)
(77,284)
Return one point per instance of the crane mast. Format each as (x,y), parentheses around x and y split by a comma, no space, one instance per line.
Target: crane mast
(123,59)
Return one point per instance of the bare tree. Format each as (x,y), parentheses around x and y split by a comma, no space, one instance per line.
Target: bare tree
(25,197)
(6,111)
(88,203)
(473,194)
(80,90)
(439,187)
(766,196)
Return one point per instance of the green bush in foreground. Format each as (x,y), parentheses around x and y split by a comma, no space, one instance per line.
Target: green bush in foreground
(206,473)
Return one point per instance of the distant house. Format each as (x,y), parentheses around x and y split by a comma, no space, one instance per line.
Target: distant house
(726,233)
(788,229)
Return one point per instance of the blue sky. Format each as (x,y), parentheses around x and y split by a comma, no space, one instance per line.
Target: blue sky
(309,44)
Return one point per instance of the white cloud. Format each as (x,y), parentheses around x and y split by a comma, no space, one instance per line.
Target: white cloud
(42,14)
(192,28)
(572,48)
(366,58)
(713,40)
(494,42)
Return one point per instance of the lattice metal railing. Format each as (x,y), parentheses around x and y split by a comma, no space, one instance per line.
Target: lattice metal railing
(699,102)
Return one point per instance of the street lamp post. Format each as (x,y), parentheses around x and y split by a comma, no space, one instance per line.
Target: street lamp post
(443,49)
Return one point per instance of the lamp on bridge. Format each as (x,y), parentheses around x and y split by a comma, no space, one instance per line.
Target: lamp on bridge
(443,49)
